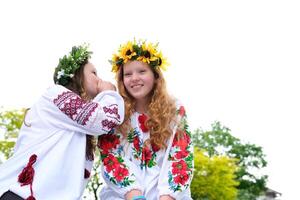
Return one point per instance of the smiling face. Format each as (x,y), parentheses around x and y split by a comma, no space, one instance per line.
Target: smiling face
(138,80)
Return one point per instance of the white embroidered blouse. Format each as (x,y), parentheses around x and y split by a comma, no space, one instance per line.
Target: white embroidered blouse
(56,139)
(127,163)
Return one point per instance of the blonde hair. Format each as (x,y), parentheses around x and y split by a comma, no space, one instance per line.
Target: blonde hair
(161,109)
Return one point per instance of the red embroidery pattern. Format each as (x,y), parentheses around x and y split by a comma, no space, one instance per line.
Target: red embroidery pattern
(74,107)
(107,142)
(142,122)
(27,174)
(114,167)
(112,111)
(181,157)
(145,154)
(108,123)
(86,112)
(181,111)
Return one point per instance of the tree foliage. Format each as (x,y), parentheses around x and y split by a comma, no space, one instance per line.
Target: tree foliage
(10,124)
(250,158)
(214,177)
(93,187)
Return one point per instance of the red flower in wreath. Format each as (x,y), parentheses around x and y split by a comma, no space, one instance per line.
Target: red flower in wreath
(120,173)
(142,122)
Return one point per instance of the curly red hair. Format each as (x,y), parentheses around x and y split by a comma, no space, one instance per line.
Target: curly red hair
(161,109)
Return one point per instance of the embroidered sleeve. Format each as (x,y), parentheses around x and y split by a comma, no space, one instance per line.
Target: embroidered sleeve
(74,107)
(118,171)
(95,117)
(177,170)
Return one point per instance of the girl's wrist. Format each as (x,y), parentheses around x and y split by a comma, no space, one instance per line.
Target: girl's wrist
(138,197)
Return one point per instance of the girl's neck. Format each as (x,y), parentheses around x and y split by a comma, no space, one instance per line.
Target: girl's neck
(141,106)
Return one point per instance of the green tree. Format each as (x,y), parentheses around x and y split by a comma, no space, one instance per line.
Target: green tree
(10,124)
(93,187)
(214,177)
(250,158)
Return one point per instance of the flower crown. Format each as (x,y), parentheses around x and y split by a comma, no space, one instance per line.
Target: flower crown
(141,51)
(69,64)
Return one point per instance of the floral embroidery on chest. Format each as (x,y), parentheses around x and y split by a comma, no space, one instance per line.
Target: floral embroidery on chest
(142,152)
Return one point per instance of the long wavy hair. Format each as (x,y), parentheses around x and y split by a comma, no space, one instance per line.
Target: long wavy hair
(76,85)
(161,109)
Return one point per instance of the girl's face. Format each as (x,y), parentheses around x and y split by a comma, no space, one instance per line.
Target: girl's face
(138,79)
(90,80)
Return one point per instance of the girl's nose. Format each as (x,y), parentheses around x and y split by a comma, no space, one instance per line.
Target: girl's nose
(135,76)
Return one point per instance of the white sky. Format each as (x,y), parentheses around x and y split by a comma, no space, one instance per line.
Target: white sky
(232,61)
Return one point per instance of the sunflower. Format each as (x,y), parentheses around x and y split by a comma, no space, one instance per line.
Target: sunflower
(147,52)
(162,61)
(141,51)
(116,62)
(127,52)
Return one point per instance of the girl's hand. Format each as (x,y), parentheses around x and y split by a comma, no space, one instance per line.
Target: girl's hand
(129,195)
(105,85)
(166,197)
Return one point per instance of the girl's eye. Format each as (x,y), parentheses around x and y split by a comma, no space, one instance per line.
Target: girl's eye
(127,74)
(142,71)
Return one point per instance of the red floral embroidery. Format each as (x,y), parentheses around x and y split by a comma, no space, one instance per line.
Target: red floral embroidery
(181,111)
(142,122)
(181,178)
(110,163)
(146,155)
(87,173)
(113,163)
(181,154)
(182,140)
(107,142)
(120,173)
(136,143)
(179,167)
(27,174)
(155,148)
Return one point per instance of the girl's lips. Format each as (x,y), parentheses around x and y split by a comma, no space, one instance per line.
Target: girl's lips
(137,86)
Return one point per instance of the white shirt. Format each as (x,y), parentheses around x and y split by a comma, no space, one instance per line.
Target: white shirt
(58,124)
(129,164)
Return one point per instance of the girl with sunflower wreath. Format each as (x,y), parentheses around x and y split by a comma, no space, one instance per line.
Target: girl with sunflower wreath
(150,156)
(54,152)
